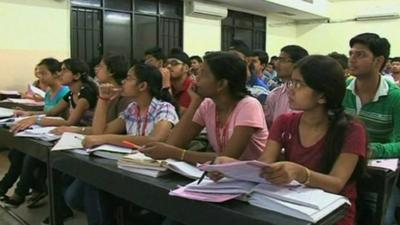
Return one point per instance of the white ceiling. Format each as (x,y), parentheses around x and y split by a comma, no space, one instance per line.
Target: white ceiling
(266,7)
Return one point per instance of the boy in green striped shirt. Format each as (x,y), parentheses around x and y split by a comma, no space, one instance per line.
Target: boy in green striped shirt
(376,101)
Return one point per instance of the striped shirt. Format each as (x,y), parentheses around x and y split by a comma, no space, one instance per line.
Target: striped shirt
(381,117)
(143,125)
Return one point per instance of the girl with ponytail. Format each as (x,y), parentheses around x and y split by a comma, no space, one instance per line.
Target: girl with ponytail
(220,103)
(149,117)
(323,147)
(81,99)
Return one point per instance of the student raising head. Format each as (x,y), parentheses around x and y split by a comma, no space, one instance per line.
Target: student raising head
(324,147)
(48,72)
(148,118)
(234,121)
(81,99)
(112,69)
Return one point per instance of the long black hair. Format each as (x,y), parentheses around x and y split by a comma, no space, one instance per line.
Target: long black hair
(325,75)
(79,67)
(153,77)
(229,66)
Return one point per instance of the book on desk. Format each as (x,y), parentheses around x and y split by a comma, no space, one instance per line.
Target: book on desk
(141,164)
(73,142)
(294,199)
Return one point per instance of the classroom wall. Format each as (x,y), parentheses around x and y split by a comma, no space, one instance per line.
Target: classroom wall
(31,30)
(200,34)
(327,37)
(279,36)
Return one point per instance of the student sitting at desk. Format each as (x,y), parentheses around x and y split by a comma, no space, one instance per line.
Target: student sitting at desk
(150,117)
(324,147)
(112,69)
(37,83)
(234,120)
(81,101)
(48,73)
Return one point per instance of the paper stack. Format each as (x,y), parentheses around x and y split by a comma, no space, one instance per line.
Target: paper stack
(24,101)
(294,199)
(141,164)
(42,133)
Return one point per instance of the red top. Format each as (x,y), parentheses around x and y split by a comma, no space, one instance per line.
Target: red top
(183,96)
(285,130)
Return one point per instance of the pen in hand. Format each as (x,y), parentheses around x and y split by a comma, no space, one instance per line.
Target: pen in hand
(204,173)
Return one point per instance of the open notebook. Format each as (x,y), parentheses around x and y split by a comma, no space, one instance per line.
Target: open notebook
(73,141)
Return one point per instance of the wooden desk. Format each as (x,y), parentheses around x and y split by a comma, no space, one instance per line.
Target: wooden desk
(151,193)
(13,105)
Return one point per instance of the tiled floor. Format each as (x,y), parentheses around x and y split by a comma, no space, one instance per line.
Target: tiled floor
(23,214)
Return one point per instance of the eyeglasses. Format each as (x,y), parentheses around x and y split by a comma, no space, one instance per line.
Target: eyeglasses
(358,54)
(173,62)
(283,60)
(295,84)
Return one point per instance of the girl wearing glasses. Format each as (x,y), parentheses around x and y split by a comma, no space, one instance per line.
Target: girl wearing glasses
(324,147)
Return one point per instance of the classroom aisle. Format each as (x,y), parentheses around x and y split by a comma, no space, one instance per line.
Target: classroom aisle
(25,215)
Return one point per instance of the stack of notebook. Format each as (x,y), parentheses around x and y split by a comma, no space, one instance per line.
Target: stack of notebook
(294,199)
(141,164)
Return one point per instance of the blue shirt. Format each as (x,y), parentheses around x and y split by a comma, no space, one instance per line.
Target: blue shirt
(258,88)
(50,102)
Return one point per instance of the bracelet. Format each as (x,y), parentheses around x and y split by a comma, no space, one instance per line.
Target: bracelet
(183,155)
(104,99)
(38,120)
(308,176)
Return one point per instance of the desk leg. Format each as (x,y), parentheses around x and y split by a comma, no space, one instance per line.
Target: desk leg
(51,189)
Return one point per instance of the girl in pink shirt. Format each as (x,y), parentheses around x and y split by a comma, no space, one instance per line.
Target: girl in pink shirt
(234,121)
(324,147)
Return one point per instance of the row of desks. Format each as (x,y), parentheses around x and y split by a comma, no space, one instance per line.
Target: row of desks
(148,192)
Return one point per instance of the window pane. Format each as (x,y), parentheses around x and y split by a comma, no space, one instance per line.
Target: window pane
(146,6)
(145,34)
(170,33)
(243,20)
(259,22)
(170,8)
(227,36)
(228,21)
(118,33)
(119,4)
(87,3)
(85,33)
(244,35)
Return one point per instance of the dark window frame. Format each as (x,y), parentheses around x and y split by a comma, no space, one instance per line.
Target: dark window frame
(229,29)
(102,9)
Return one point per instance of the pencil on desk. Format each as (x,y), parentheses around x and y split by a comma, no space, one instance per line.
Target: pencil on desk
(131,145)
